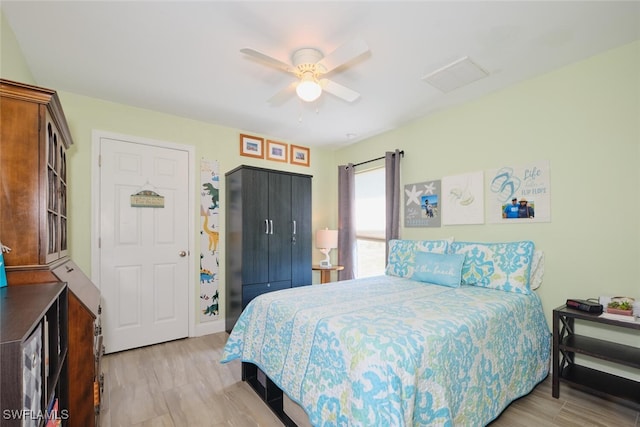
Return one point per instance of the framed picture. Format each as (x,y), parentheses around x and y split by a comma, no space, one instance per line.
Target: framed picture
(251,146)
(277,151)
(299,155)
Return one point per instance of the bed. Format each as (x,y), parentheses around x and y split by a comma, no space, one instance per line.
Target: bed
(401,350)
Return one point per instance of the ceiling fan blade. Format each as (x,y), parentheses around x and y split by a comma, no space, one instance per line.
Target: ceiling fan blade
(338,90)
(343,54)
(284,95)
(269,60)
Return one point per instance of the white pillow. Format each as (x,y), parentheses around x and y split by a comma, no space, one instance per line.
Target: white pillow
(537,269)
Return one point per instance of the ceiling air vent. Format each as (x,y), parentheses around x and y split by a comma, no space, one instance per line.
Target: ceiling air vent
(457,74)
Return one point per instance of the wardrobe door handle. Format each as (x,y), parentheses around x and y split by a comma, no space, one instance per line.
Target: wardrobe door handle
(266,226)
(293,237)
(271,222)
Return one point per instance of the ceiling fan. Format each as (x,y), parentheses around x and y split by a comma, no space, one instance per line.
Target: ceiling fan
(310,66)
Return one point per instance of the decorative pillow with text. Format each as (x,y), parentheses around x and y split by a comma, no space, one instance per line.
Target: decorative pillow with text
(441,269)
(402,254)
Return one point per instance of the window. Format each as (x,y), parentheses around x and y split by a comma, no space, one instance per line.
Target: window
(370,222)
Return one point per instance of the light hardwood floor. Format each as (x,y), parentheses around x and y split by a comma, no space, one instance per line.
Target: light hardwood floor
(181,383)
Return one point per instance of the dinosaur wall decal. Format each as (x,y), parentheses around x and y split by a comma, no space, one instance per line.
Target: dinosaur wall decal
(214,193)
(211,309)
(214,236)
(209,240)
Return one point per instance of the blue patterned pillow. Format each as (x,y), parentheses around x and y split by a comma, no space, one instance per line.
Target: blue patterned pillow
(441,269)
(402,254)
(504,266)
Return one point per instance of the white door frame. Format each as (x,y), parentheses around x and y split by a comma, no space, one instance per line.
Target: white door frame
(96,135)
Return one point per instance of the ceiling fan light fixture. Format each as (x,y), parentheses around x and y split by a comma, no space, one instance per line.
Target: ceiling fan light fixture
(308,89)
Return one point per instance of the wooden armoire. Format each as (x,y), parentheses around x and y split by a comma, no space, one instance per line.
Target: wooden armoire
(268,235)
(34,223)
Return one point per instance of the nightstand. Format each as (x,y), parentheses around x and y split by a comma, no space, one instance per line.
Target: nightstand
(325,272)
(567,343)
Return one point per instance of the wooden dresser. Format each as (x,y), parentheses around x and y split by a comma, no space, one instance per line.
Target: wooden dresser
(34,224)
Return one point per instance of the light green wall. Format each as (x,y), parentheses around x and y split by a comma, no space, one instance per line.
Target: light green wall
(13,65)
(210,141)
(584,119)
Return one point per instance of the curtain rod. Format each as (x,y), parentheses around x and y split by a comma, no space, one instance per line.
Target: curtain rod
(379,158)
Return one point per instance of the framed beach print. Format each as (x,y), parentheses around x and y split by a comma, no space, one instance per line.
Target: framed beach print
(251,146)
(299,155)
(277,151)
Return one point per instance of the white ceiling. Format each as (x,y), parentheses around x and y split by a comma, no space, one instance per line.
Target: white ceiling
(184,58)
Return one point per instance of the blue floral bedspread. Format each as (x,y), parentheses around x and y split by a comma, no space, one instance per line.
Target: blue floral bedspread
(389,351)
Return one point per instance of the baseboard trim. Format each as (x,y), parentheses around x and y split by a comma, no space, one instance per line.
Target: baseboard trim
(208,328)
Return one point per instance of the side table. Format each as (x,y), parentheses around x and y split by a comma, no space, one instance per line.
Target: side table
(567,343)
(325,272)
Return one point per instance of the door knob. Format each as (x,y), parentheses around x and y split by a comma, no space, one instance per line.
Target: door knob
(182,253)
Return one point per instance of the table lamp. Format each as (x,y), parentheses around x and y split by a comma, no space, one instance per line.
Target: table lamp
(325,241)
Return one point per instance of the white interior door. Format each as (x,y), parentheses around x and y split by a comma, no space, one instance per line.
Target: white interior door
(144,251)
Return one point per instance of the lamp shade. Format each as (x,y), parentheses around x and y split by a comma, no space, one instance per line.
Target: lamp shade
(326,239)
